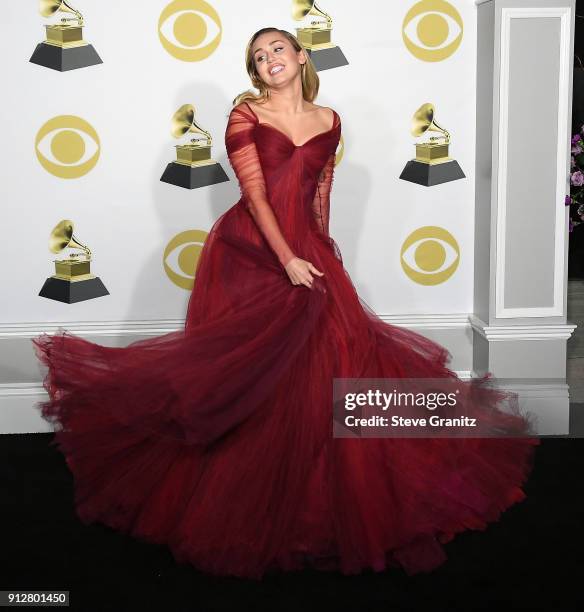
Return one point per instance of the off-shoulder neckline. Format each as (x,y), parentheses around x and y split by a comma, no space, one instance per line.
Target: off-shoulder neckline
(279,131)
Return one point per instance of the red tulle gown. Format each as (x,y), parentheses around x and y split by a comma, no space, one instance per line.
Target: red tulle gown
(216,440)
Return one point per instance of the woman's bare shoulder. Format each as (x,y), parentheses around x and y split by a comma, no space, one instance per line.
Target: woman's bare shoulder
(327,111)
(319,106)
(253,104)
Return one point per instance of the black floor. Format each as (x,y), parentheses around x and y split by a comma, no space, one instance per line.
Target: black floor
(533,559)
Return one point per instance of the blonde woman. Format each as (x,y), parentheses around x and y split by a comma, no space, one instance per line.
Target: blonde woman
(217,440)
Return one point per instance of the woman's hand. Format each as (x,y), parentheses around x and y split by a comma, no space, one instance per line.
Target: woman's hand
(299,271)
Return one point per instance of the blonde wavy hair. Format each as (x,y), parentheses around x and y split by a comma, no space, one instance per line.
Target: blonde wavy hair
(308,74)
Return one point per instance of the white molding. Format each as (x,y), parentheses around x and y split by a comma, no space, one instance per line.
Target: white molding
(36,390)
(161,326)
(28,389)
(507,14)
(545,331)
(427,321)
(420,321)
(117,328)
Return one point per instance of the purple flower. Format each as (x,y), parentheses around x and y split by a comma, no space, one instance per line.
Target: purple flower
(576,149)
(568,200)
(576,138)
(577,179)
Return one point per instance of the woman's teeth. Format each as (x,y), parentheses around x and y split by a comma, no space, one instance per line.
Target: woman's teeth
(276,69)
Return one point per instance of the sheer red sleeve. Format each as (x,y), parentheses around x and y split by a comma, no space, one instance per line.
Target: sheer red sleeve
(321,201)
(244,158)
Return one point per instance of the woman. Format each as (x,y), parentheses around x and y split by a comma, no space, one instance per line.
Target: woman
(216,440)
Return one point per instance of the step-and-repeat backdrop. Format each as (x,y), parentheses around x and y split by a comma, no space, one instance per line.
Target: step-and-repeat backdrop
(89,125)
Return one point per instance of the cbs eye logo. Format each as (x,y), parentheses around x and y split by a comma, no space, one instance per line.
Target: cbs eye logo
(432,30)
(181,257)
(429,255)
(189,30)
(67,146)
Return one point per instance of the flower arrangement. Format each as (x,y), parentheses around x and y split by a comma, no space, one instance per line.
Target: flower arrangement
(576,197)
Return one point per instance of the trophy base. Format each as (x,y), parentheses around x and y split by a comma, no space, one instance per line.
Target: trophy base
(64,58)
(431,174)
(193,177)
(73,291)
(329,57)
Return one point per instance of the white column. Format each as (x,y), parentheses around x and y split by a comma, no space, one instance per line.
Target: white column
(524,92)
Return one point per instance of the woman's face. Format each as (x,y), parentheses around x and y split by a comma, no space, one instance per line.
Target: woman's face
(276,60)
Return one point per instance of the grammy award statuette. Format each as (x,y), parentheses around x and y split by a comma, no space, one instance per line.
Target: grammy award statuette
(193,166)
(316,37)
(64,48)
(72,281)
(432,165)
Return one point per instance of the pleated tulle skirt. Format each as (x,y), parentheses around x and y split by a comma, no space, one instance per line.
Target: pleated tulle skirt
(216,440)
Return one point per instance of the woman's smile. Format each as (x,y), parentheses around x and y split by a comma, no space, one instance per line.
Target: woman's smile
(276,69)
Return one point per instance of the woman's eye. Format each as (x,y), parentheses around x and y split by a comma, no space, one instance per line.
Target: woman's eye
(261,57)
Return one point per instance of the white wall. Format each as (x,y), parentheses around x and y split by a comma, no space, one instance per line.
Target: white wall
(127,216)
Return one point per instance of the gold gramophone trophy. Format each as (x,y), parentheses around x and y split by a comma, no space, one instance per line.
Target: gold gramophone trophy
(64,48)
(72,281)
(432,165)
(194,166)
(316,37)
